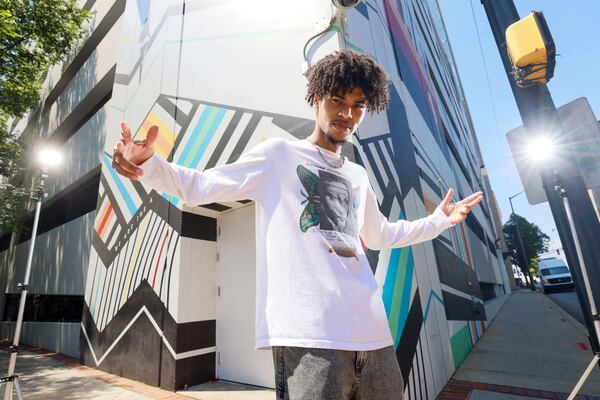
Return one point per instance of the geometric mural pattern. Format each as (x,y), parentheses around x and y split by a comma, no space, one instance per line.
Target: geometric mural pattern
(135,237)
(137,232)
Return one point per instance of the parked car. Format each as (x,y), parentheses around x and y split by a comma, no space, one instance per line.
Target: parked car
(555,275)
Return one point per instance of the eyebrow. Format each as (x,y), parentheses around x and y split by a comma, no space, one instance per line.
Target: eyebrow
(362,101)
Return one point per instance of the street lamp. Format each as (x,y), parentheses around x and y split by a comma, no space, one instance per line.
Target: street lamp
(47,158)
(520,240)
(540,149)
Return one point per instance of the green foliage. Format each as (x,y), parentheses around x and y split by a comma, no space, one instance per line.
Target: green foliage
(534,240)
(533,267)
(14,201)
(10,150)
(34,34)
(12,197)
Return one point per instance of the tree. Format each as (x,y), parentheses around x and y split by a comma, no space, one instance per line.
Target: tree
(12,197)
(34,34)
(534,241)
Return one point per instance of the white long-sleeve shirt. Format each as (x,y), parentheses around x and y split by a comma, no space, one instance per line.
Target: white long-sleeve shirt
(314,285)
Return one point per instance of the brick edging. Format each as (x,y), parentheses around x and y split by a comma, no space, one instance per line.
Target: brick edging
(461,390)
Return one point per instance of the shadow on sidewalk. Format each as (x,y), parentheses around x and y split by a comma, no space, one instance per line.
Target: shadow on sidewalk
(531,349)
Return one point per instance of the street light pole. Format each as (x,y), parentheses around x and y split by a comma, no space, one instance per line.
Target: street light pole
(47,157)
(540,118)
(520,240)
(11,379)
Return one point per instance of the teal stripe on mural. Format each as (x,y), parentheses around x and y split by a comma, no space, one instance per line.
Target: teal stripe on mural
(120,186)
(172,199)
(432,295)
(194,136)
(390,279)
(405,299)
(397,289)
(461,345)
(218,118)
(203,132)
(395,308)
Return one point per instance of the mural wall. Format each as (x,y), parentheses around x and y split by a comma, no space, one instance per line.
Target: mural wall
(431,292)
(217,77)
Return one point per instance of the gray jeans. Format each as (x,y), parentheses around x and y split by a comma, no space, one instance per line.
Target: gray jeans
(322,374)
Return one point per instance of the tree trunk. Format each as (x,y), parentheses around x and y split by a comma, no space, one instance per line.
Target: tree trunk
(532,287)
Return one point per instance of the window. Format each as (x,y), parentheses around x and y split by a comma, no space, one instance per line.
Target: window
(45,308)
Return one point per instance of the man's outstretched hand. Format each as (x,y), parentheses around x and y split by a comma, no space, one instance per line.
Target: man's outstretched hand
(457,212)
(129,153)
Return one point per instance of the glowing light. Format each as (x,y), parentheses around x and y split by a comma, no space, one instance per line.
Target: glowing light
(540,149)
(49,157)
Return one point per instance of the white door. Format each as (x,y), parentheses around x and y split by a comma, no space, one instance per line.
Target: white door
(237,359)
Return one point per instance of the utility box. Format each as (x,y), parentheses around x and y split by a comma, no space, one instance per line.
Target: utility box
(531,50)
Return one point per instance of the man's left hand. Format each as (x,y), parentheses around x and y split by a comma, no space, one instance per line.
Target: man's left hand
(457,212)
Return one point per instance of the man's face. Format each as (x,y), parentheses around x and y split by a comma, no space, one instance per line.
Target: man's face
(337,204)
(338,116)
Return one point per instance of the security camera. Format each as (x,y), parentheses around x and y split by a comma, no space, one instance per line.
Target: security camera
(345,4)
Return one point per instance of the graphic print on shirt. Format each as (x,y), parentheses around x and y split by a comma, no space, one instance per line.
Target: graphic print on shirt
(330,208)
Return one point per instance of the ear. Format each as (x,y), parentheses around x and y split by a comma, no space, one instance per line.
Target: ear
(315,102)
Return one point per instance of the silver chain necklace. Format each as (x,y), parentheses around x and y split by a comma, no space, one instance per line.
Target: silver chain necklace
(341,161)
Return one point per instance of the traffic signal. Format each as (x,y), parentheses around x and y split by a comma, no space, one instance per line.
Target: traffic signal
(531,50)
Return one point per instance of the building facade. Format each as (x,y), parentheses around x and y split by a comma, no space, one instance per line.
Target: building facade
(164,293)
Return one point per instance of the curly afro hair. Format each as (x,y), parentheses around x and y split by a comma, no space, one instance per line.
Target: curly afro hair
(342,71)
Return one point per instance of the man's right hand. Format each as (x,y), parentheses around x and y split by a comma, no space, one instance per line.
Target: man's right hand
(128,154)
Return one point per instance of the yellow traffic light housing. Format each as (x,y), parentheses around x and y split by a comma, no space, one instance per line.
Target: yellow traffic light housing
(531,50)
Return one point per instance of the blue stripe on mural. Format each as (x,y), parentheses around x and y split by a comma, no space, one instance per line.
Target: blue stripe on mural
(190,144)
(406,292)
(209,135)
(390,278)
(172,199)
(195,136)
(389,288)
(120,186)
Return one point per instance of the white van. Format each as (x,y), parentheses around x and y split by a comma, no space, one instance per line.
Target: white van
(554,275)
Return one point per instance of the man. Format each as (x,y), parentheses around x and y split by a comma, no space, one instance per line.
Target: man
(317,303)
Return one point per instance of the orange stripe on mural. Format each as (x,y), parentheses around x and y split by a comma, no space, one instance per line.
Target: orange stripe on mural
(103,224)
(102,215)
(166,136)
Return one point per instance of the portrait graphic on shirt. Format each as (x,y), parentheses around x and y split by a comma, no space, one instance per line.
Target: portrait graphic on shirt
(330,207)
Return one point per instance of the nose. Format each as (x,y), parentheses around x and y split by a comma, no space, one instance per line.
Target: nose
(345,112)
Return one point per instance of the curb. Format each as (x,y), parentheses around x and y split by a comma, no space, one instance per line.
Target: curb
(461,390)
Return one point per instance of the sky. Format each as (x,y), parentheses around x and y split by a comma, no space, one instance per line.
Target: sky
(574,28)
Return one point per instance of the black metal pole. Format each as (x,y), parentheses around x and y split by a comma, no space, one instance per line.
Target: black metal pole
(540,118)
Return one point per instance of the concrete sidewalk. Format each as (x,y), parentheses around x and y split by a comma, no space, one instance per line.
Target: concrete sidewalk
(45,375)
(533,349)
